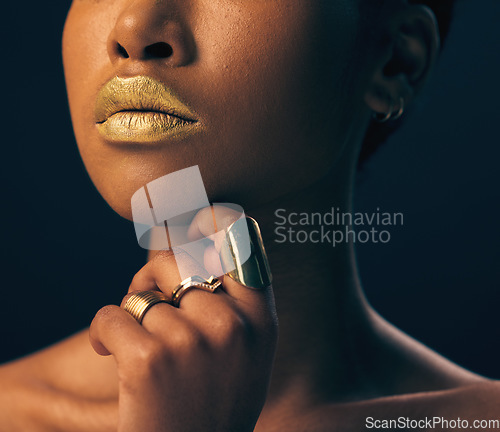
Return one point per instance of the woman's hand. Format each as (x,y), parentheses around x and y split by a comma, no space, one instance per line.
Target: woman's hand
(204,366)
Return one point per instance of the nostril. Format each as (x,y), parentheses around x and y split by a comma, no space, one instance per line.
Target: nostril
(158,50)
(122,51)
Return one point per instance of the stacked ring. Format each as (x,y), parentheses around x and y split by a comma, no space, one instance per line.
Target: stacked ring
(139,303)
(210,285)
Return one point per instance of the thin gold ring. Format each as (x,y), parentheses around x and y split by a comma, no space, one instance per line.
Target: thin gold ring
(401,109)
(383,117)
(210,285)
(139,303)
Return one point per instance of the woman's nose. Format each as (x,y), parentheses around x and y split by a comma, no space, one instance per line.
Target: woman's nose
(151,30)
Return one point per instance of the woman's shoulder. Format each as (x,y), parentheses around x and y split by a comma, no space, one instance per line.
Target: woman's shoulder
(474,406)
(481,397)
(477,399)
(70,365)
(461,407)
(474,399)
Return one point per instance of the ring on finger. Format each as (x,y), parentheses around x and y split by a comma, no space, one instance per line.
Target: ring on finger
(140,302)
(210,285)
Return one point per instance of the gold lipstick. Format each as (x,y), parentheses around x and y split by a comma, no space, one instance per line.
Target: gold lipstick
(141,109)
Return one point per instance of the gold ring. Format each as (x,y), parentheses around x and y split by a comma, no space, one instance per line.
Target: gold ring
(243,256)
(210,285)
(139,303)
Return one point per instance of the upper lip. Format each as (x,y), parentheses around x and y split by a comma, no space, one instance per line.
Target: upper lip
(139,93)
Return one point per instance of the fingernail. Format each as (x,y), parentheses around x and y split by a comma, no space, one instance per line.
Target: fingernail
(243,256)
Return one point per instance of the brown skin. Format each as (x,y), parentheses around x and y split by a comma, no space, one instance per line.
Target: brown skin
(228,64)
(285,89)
(190,356)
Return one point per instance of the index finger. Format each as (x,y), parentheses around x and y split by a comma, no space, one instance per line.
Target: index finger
(212,222)
(238,242)
(247,274)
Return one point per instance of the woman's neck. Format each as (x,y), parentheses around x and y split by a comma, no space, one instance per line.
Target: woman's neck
(325,320)
(333,347)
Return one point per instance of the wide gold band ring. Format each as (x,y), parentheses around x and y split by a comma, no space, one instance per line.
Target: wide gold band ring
(210,285)
(139,303)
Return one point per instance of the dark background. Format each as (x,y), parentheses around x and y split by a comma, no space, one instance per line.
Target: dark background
(437,279)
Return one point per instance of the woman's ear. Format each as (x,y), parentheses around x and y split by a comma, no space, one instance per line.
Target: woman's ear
(408,54)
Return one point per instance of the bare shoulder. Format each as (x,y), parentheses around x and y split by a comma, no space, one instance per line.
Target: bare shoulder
(63,387)
(474,401)
(70,365)
(470,404)
(482,399)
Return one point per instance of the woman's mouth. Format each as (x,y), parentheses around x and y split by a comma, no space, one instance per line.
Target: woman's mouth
(141,110)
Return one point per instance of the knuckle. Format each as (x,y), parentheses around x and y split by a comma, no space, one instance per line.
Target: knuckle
(148,356)
(104,318)
(185,339)
(105,315)
(165,254)
(143,279)
(139,277)
(232,329)
(149,361)
(167,261)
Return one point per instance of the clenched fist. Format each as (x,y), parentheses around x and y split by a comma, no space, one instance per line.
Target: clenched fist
(204,366)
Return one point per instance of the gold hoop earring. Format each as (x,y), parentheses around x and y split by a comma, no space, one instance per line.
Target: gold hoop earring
(401,109)
(390,115)
(383,117)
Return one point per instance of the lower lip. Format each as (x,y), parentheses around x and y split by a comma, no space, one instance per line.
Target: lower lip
(145,127)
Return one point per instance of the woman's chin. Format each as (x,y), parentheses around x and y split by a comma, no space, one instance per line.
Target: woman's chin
(123,209)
